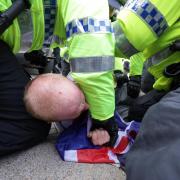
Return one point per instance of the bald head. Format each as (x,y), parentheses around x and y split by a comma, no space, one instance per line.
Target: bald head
(52,97)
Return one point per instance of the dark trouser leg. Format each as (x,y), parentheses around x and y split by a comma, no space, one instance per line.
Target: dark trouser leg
(155,153)
(139,107)
(18,130)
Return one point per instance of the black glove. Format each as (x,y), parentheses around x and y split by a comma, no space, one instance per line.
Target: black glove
(110,125)
(134,86)
(120,78)
(36,57)
(173,71)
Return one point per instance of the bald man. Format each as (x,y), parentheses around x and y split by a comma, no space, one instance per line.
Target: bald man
(53,98)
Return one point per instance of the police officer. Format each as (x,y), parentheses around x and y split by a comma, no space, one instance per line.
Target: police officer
(152,27)
(91,56)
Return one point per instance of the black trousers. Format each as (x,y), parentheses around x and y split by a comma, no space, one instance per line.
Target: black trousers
(18,130)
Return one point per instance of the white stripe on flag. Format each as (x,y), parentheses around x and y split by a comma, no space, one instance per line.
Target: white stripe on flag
(70,155)
(113,157)
(120,135)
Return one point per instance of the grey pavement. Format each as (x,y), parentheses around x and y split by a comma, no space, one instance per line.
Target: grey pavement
(42,162)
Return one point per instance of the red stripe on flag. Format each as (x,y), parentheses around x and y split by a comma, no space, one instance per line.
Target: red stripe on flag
(121,146)
(93,156)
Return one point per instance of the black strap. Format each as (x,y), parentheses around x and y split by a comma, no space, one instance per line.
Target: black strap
(7,17)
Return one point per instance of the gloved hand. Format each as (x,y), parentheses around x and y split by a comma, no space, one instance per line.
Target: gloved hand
(120,78)
(110,125)
(134,86)
(36,57)
(173,71)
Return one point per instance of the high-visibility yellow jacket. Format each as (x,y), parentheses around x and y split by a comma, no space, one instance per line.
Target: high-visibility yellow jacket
(91,52)
(159,57)
(148,26)
(13,35)
(163,57)
(136,64)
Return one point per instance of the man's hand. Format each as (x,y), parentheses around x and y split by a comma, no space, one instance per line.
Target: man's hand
(99,137)
(104,132)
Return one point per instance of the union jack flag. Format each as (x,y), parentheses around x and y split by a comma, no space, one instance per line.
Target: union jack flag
(74,145)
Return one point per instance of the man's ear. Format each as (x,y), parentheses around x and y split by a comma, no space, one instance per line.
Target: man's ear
(86,106)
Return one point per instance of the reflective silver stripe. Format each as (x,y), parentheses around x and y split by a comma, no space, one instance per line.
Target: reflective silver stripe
(122,42)
(92,64)
(88,24)
(26,27)
(160,56)
(148,13)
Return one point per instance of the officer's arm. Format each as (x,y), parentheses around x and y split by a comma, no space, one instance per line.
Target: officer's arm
(91,56)
(7,17)
(136,66)
(142,22)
